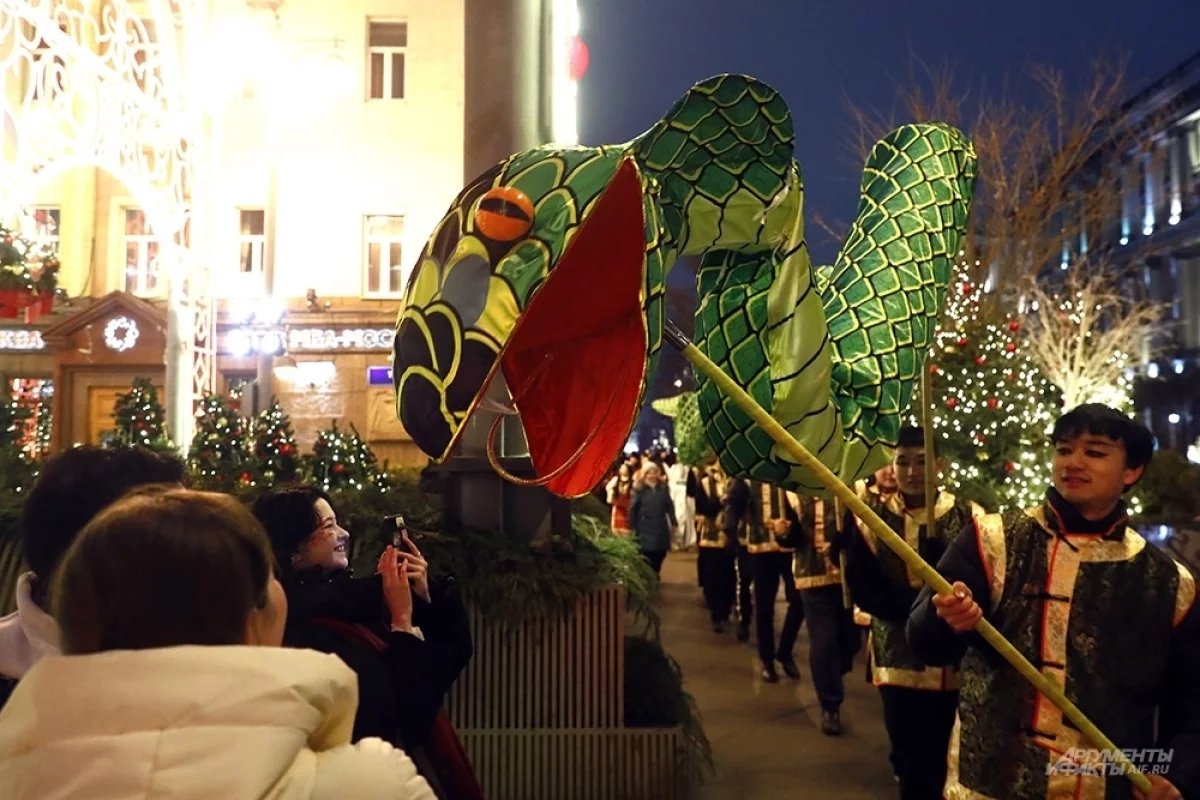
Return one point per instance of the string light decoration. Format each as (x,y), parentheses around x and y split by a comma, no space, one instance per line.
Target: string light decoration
(217,457)
(141,418)
(344,461)
(17,470)
(992,407)
(275,451)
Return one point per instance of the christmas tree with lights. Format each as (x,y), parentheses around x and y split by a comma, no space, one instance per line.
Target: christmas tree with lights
(217,458)
(992,407)
(16,469)
(141,418)
(275,451)
(343,460)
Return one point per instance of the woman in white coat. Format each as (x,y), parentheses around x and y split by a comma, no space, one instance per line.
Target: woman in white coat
(685,505)
(174,684)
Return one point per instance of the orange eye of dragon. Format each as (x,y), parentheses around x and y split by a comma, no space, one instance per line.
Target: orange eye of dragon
(504,214)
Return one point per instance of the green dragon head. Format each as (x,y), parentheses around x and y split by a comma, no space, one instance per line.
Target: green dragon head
(550,268)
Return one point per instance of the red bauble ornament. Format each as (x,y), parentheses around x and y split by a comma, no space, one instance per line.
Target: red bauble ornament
(951,403)
(578,58)
(1010,376)
(967,288)
(287,449)
(338,469)
(1009,466)
(993,402)
(245,477)
(979,362)
(1014,326)
(1011,347)
(963,342)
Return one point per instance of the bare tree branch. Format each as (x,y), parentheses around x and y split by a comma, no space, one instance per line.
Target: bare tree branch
(1085,332)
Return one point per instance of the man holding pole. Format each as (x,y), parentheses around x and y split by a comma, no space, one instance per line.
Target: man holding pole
(810,527)
(919,701)
(770,561)
(1105,616)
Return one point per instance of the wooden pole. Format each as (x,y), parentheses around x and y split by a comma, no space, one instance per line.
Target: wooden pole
(896,544)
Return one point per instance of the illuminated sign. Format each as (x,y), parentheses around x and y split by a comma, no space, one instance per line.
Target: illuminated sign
(342,339)
(379,376)
(21,340)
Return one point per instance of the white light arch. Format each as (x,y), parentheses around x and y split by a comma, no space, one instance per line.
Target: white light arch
(108,84)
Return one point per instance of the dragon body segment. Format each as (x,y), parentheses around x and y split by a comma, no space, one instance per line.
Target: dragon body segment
(571,310)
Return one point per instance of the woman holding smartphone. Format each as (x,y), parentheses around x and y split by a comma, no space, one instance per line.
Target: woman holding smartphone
(406,638)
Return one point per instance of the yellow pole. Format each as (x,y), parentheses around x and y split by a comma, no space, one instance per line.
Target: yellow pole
(897,545)
(930,457)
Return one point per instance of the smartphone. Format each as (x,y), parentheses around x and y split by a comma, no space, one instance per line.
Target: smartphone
(395,528)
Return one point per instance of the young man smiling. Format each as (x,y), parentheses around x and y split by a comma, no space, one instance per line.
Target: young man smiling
(1106,616)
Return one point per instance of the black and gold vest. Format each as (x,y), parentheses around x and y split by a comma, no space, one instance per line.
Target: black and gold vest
(1095,614)
(811,566)
(708,528)
(893,663)
(767,503)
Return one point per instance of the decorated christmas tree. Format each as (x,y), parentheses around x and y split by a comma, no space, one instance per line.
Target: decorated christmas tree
(992,407)
(141,418)
(343,460)
(16,469)
(28,276)
(275,453)
(217,458)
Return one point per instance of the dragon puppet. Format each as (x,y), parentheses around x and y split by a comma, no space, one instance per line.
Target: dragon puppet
(550,269)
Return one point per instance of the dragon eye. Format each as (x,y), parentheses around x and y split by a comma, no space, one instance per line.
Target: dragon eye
(504,214)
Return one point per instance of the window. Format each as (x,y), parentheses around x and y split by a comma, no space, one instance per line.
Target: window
(386,43)
(44,223)
(251,240)
(385,264)
(141,254)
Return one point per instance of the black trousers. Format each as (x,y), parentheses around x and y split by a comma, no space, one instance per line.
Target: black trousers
(745,580)
(833,639)
(918,724)
(717,565)
(769,570)
(655,557)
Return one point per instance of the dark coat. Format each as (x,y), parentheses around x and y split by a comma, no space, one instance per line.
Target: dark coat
(401,690)
(652,515)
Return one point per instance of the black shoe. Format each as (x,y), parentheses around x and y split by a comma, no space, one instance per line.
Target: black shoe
(743,634)
(768,673)
(718,627)
(831,723)
(789,667)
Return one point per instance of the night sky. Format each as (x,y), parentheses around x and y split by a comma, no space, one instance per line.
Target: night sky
(824,54)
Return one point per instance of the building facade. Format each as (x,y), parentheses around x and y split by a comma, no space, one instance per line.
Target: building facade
(1154,242)
(340,133)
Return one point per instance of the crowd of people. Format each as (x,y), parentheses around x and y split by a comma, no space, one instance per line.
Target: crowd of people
(175,643)
(1108,617)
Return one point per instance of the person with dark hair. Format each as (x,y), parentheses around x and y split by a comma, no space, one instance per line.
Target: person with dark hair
(408,639)
(652,517)
(715,561)
(810,527)
(735,519)
(72,488)
(770,558)
(173,677)
(919,700)
(1104,615)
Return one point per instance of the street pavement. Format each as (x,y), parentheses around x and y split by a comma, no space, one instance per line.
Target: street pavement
(766,738)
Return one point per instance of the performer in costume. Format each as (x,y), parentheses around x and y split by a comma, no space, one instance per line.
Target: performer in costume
(1107,616)
(736,524)
(717,551)
(620,494)
(811,526)
(770,563)
(919,701)
(678,474)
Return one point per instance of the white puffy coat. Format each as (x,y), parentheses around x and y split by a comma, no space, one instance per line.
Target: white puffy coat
(194,722)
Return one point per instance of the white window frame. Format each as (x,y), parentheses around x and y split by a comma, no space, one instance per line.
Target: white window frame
(386,267)
(257,243)
(146,280)
(387,54)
